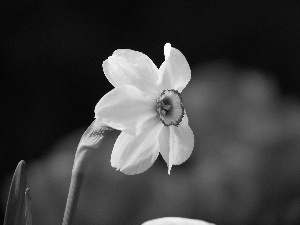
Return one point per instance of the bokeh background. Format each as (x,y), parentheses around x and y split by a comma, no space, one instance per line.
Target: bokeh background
(242,102)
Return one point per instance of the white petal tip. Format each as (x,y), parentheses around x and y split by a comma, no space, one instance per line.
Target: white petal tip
(167,50)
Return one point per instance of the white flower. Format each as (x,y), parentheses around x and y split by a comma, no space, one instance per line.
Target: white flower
(175,221)
(146,106)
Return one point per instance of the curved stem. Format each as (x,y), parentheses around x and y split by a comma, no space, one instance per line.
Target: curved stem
(90,140)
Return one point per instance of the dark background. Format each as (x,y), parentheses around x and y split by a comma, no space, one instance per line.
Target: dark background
(51,55)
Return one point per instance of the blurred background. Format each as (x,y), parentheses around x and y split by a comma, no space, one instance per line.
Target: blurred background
(242,102)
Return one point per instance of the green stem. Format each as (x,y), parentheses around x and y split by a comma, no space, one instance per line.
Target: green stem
(90,140)
(28,213)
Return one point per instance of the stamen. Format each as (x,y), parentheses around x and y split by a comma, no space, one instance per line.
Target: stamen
(169,107)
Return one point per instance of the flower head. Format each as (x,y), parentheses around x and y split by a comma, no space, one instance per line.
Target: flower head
(146,105)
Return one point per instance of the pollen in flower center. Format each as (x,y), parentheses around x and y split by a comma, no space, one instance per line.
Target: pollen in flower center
(170,108)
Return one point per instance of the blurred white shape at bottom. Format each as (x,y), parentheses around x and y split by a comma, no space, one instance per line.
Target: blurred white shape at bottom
(175,221)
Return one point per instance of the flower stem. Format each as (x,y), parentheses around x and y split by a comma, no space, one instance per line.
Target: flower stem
(90,140)
(28,213)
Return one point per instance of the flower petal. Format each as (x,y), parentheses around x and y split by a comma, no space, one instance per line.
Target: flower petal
(136,154)
(176,143)
(175,72)
(128,67)
(164,144)
(128,109)
(175,221)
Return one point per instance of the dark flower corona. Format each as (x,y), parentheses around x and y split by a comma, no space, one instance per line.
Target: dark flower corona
(169,107)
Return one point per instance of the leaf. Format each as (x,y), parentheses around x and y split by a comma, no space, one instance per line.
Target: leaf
(15,202)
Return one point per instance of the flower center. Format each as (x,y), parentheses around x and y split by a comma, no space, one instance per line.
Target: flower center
(170,108)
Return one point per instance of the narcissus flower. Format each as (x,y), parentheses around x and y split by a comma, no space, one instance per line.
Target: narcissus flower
(146,105)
